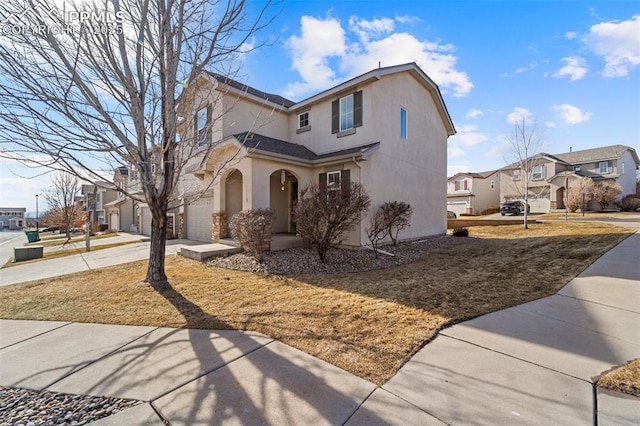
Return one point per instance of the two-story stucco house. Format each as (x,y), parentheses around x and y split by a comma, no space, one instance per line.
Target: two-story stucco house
(95,198)
(120,212)
(471,193)
(552,174)
(386,129)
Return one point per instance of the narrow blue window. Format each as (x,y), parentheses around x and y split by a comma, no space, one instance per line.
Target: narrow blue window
(403,123)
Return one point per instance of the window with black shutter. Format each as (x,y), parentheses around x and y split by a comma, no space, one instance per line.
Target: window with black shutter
(346,112)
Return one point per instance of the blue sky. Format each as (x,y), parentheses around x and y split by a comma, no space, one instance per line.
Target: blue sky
(572,67)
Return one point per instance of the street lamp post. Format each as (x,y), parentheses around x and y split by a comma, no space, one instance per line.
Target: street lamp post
(37,215)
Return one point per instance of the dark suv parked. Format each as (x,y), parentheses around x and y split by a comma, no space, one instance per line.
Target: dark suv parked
(513,207)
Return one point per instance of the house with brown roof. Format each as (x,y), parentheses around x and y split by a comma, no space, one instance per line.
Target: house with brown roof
(472,193)
(386,129)
(552,174)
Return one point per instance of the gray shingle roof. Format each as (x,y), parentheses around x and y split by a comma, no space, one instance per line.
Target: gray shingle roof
(594,154)
(277,146)
(277,99)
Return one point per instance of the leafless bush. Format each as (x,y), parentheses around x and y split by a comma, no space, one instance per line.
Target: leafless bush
(460,232)
(390,218)
(576,190)
(252,228)
(630,203)
(605,193)
(325,216)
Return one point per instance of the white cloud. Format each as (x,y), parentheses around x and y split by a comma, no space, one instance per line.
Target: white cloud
(570,35)
(319,41)
(550,124)
(521,70)
(452,169)
(407,19)
(571,114)
(366,29)
(473,113)
(518,114)
(618,44)
(467,135)
(575,68)
(455,152)
(325,46)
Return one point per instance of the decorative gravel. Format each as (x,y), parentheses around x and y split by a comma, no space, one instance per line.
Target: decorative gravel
(30,408)
(300,261)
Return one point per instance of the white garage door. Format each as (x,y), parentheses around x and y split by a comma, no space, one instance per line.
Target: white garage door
(540,205)
(199,219)
(458,207)
(145,218)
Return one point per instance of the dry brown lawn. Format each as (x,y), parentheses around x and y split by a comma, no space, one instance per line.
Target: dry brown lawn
(368,323)
(624,379)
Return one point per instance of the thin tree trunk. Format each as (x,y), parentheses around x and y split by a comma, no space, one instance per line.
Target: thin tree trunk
(155,271)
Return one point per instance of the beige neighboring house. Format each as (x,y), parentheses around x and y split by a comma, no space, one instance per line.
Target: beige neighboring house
(120,212)
(386,129)
(553,173)
(471,193)
(95,197)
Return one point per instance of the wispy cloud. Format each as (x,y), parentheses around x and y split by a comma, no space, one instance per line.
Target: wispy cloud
(575,68)
(473,113)
(518,114)
(570,35)
(570,114)
(324,48)
(618,44)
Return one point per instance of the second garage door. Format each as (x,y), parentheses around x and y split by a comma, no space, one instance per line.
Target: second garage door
(199,219)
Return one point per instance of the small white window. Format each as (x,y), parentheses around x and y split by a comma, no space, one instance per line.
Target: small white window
(493,184)
(333,181)
(201,126)
(516,175)
(605,166)
(303,120)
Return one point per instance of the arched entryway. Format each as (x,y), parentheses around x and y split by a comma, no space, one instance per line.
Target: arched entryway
(283,196)
(560,198)
(233,193)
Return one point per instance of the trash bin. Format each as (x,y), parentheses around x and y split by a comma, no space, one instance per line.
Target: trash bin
(32,236)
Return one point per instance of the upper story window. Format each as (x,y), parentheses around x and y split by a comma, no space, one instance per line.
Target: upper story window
(605,166)
(346,113)
(202,125)
(538,172)
(303,120)
(403,123)
(460,185)
(516,175)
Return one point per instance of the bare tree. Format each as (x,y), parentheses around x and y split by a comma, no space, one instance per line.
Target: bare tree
(324,216)
(253,229)
(606,192)
(525,146)
(63,209)
(109,82)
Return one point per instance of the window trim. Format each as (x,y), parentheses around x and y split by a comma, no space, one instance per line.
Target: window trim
(516,174)
(608,168)
(300,125)
(345,113)
(338,125)
(203,133)
(339,181)
(541,173)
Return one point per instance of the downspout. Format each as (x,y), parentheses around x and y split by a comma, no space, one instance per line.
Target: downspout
(362,243)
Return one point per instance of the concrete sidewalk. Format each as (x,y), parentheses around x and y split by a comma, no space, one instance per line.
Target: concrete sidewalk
(49,268)
(532,364)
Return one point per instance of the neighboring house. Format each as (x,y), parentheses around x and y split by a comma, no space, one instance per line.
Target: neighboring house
(12,218)
(386,129)
(552,174)
(471,193)
(120,212)
(95,197)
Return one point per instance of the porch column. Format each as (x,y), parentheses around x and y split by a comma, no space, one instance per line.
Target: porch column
(220,226)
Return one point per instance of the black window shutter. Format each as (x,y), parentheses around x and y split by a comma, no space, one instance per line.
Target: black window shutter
(357,109)
(322,184)
(335,116)
(345,178)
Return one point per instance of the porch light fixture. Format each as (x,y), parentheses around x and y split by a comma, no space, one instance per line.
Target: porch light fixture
(283,177)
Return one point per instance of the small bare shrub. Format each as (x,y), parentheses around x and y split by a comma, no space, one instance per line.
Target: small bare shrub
(630,203)
(390,218)
(377,230)
(460,232)
(252,228)
(606,192)
(490,210)
(576,189)
(324,216)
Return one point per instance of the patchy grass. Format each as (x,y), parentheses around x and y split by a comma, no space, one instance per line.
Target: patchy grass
(368,323)
(625,379)
(603,215)
(62,240)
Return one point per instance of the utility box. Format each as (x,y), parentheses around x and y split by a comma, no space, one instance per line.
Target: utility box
(27,253)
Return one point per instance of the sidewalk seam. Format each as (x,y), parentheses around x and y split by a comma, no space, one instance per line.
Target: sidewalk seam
(37,335)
